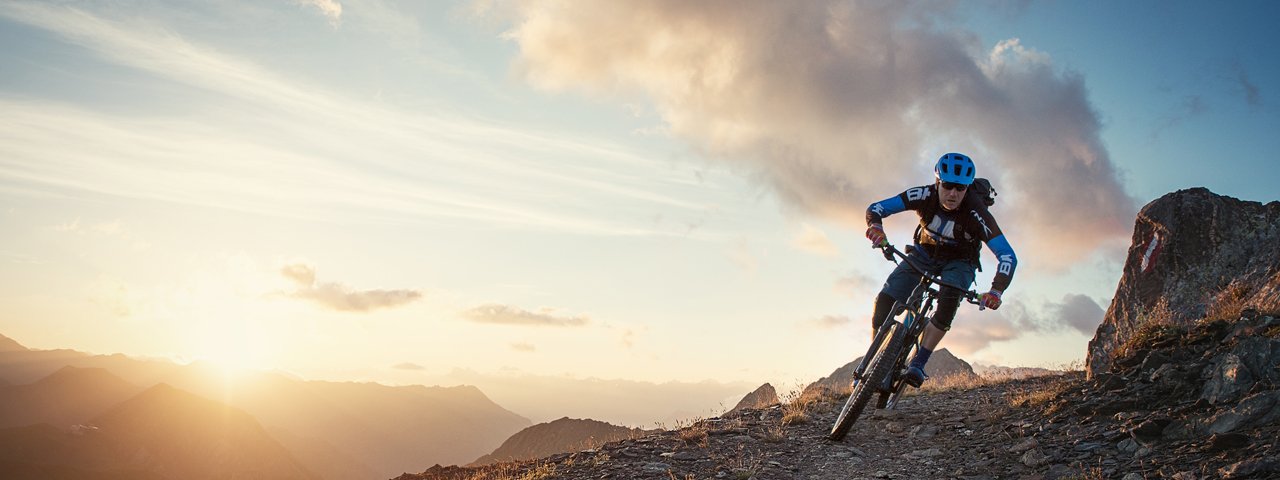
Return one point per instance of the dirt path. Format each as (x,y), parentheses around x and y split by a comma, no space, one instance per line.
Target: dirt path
(942,434)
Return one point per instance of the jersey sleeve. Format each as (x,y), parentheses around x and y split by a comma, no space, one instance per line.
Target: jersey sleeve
(912,199)
(995,239)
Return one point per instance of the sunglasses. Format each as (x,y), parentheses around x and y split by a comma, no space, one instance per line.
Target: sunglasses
(954,186)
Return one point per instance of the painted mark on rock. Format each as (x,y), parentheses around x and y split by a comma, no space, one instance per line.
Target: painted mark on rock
(1152,252)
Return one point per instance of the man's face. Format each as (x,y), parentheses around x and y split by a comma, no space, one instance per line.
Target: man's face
(950,195)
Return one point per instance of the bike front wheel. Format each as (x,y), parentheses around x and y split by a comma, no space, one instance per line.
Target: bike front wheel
(880,368)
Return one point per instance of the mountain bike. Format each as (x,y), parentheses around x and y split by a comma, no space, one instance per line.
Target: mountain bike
(884,367)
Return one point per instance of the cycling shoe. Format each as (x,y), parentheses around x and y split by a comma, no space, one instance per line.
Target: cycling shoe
(914,377)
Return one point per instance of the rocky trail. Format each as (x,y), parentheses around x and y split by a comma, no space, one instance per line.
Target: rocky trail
(1190,404)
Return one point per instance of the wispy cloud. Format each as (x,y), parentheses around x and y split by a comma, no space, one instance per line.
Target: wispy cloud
(1252,94)
(326,155)
(509,315)
(336,296)
(331,9)
(973,331)
(524,347)
(882,89)
(408,366)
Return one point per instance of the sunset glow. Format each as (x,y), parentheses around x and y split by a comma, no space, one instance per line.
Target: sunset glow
(438,193)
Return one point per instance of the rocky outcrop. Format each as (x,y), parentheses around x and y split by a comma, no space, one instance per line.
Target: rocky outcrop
(762,397)
(1194,254)
(1204,399)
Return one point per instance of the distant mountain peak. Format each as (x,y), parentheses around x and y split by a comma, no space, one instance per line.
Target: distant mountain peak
(558,436)
(941,365)
(762,397)
(10,345)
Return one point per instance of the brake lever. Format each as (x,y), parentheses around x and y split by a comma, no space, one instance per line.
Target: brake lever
(887,250)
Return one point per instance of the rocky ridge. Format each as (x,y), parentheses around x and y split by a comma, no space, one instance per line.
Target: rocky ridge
(1194,403)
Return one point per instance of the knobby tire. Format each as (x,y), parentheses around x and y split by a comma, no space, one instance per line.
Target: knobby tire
(880,368)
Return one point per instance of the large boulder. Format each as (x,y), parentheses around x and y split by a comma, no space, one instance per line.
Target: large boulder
(1194,254)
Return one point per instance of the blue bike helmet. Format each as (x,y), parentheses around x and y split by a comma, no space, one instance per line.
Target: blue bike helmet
(955,168)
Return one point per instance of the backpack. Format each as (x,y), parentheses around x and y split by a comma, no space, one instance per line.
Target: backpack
(982,188)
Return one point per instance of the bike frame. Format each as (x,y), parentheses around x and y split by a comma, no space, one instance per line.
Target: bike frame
(917,311)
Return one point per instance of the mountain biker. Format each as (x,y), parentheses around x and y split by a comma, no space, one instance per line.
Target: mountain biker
(953,226)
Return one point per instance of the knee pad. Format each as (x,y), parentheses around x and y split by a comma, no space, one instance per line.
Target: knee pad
(948,303)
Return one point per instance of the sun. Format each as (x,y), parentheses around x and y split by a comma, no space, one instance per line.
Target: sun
(233,353)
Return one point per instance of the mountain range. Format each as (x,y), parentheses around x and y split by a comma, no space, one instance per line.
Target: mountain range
(339,430)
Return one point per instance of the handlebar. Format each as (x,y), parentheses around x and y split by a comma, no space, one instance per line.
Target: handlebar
(890,251)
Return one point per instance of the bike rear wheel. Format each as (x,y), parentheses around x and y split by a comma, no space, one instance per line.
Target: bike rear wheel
(878,370)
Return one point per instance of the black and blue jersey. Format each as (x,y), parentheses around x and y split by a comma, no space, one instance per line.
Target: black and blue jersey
(951,235)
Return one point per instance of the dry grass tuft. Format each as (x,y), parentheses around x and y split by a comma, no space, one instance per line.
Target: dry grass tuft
(511,471)
(796,406)
(775,434)
(1155,326)
(694,433)
(956,382)
(1230,302)
(1036,398)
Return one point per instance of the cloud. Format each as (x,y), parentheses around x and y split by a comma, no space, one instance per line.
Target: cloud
(814,240)
(832,104)
(1191,106)
(1252,95)
(342,298)
(119,155)
(1078,312)
(973,330)
(301,274)
(524,347)
(408,366)
(331,9)
(508,315)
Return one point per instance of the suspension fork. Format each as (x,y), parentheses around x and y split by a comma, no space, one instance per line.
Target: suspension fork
(878,339)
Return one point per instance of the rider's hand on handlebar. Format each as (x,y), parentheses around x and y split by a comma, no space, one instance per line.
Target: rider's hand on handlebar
(875,233)
(990,300)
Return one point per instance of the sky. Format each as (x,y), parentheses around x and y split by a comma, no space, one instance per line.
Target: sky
(651,191)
